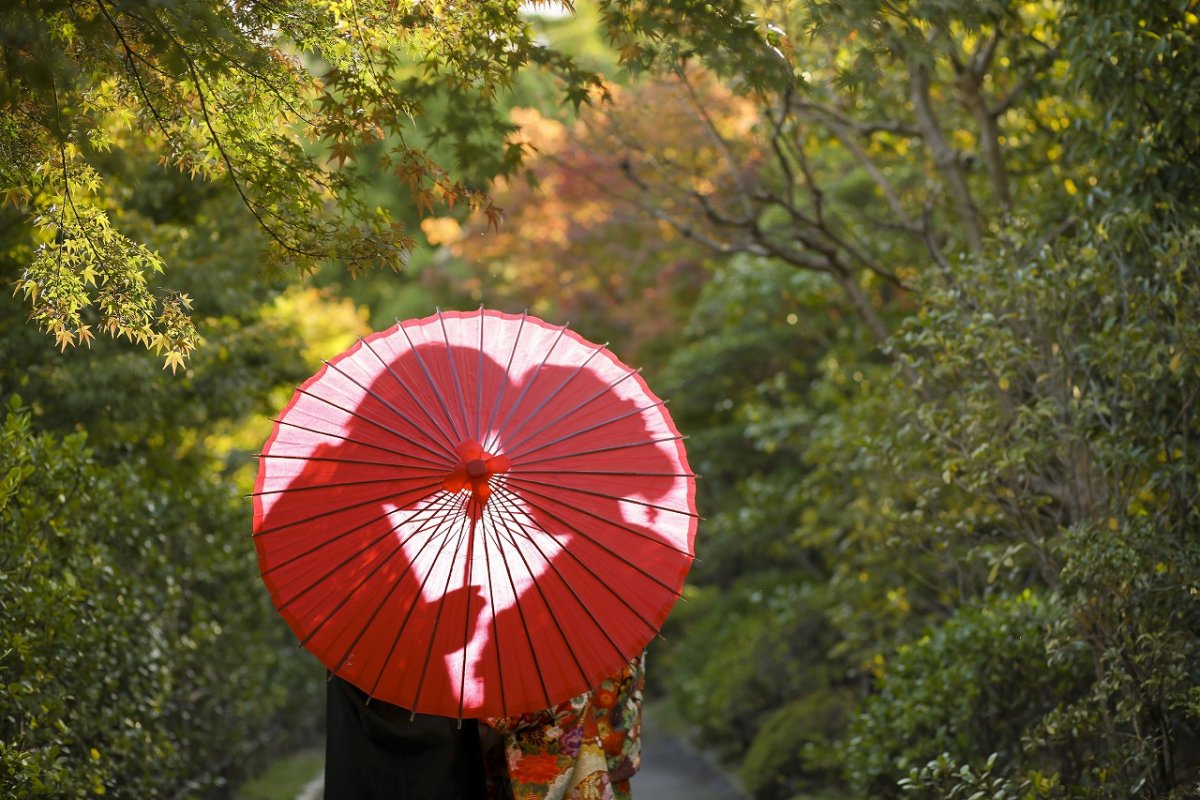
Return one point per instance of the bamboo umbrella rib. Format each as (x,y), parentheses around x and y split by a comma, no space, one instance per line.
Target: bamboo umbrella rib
(533,413)
(443,514)
(339,485)
(390,406)
(334,460)
(479,379)
(526,491)
(577,432)
(511,513)
(470,568)
(573,410)
(437,617)
(503,552)
(462,402)
(434,515)
(507,370)
(529,382)
(331,511)
(416,601)
(487,564)
(608,449)
(601,545)
(437,393)
(611,472)
(348,559)
(541,593)
(447,444)
(591,493)
(358,415)
(361,443)
(341,535)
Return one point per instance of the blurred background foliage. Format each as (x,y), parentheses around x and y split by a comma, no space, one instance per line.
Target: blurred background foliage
(921,280)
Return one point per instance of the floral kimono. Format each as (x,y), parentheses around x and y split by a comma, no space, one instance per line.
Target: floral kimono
(584,749)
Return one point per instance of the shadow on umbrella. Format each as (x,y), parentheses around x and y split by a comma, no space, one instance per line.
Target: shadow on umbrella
(466,535)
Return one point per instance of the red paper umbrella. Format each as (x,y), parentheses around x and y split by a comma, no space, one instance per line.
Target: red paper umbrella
(474,514)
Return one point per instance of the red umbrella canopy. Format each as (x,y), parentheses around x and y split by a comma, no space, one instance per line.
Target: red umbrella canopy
(474,514)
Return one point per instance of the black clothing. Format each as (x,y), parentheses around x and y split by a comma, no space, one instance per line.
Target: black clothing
(378,751)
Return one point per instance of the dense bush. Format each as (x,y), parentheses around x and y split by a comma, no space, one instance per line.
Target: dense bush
(974,686)
(138,656)
(994,483)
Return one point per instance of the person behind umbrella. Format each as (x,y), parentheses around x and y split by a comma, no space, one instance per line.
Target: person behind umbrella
(587,748)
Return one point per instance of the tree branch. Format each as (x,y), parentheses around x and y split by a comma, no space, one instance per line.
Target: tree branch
(969,81)
(944,157)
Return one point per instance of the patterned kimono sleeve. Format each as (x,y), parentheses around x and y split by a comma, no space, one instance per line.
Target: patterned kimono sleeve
(584,749)
(618,707)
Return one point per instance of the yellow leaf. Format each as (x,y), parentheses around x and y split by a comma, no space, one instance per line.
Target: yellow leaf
(174,360)
(1113,524)
(1070,186)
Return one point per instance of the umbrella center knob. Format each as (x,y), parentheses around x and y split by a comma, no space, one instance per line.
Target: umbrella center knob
(476,468)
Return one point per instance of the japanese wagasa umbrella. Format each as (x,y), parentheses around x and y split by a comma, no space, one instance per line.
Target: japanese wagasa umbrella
(474,514)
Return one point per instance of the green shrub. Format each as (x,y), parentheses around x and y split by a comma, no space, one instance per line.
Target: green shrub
(793,751)
(969,688)
(139,657)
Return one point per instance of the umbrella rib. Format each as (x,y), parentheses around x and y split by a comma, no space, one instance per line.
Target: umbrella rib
(462,402)
(391,407)
(329,511)
(606,520)
(619,498)
(574,433)
(337,537)
(437,617)
(349,559)
(510,503)
(462,681)
(508,508)
(448,445)
(382,562)
(617,473)
(437,392)
(537,587)
(529,383)
(504,383)
(416,600)
(599,544)
(479,379)
(376,423)
(610,448)
(487,563)
(352,440)
(335,460)
(521,615)
(532,414)
(334,485)
(442,513)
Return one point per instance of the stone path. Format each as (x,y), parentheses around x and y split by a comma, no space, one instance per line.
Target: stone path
(672,770)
